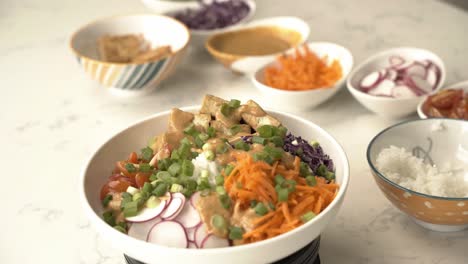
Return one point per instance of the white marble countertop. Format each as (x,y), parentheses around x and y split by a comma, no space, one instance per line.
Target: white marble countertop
(53,117)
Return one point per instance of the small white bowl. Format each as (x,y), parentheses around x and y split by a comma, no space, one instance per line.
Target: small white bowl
(135,136)
(199,36)
(385,106)
(461,85)
(300,100)
(165,6)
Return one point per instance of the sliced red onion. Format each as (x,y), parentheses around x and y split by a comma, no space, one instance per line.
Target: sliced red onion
(383,88)
(416,69)
(391,74)
(370,81)
(396,61)
(413,85)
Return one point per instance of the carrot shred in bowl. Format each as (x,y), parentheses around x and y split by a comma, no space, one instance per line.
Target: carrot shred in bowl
(302,71)
(256,179)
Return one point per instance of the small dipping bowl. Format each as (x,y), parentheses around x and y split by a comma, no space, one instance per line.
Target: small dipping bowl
(164,6)
(199,36)
(388,106)
(461,85)
(300,100)
(130,78)
(292,30)
(441,141)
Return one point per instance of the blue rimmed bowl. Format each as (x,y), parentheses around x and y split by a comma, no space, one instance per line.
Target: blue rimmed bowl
(439,142)
(131,78)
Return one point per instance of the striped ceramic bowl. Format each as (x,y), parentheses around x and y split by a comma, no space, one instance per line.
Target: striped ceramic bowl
(131,78)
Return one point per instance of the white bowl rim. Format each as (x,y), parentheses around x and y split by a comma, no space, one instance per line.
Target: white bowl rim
(397,185)
(280,91)
(373,57)
(95,218)
(93,22)
(459,85)
(252,9)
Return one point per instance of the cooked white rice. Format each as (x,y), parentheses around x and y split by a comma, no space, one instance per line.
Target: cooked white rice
(401,167)
(200,163)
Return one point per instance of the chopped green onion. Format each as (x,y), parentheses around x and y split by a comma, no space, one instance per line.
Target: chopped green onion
(277,141)
(220,190)
(174,169)
(209,155)
(234,103)
(206,146)
(263,156)
(204,136)
(203,184)
(218,222)
(259,140)
(199,142)
(137,196)
(145,167)
(221,149)
(265,131)
(234,130)
(281,132)
(190,130)
(109,218)
(190,184)
(322,170)
(304,169)
(176,187)
(311,181)
(185,141)
(204,173)
(253,203)
(225,201)
(147,187)
(283,194)
(219,179)
(314,143)
(299,151)
(226,110)
(132,190)
(228,169)
(153,177)
(126,197)
(241,145)
(120,229)
(308,216)
(187,168)
(279,179)
(164,175)
(152,202)
(275,153)
(272,206)
(131,209)
(130,167)
(330,175)
(211,131)
(235,233)
(260,209)
(106,200)
(160,189)
(290,185)
(147,153)
(164,164)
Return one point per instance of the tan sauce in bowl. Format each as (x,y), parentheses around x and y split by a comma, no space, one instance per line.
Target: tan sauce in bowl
(256,41)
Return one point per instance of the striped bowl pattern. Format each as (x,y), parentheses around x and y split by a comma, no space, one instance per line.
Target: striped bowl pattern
(130,76)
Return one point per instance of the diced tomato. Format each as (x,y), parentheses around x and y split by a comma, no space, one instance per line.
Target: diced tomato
(141,178)
(121,166)
(133,157)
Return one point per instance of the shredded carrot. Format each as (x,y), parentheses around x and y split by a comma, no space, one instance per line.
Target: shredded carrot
(303,71)
(254,180)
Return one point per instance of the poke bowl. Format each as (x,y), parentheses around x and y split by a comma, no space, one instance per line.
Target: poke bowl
(452,108)
(238,243)
(391,83)
(421,166)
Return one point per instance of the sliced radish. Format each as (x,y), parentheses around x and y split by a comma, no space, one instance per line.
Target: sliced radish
(396,60)
(192,244)
(175,207)
(168,233)
(416,69)
(147,214)
(141,230)
(189,216)
(200,234)
(194,199)
(370,81)
(191,233)
(212,241)
(421,84)
(383,88)
(402,91)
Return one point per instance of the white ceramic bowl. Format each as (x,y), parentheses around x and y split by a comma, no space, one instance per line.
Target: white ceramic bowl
(135,137)
(385,106)
(131,78)
(444,141)
(301,100)
(198,36)
(461,85)
(249,64)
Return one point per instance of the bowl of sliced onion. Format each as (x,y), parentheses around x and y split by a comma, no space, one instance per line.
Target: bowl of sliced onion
(393,82)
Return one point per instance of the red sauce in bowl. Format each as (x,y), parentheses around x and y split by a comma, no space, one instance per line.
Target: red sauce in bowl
(451,103)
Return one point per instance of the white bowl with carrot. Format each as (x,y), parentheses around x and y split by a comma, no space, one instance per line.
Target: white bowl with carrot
(304,77)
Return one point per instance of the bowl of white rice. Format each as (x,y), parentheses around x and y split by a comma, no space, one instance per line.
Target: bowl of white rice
(421,166)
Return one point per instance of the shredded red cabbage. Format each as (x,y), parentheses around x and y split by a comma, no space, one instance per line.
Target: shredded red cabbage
(217,14)
(312,155)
